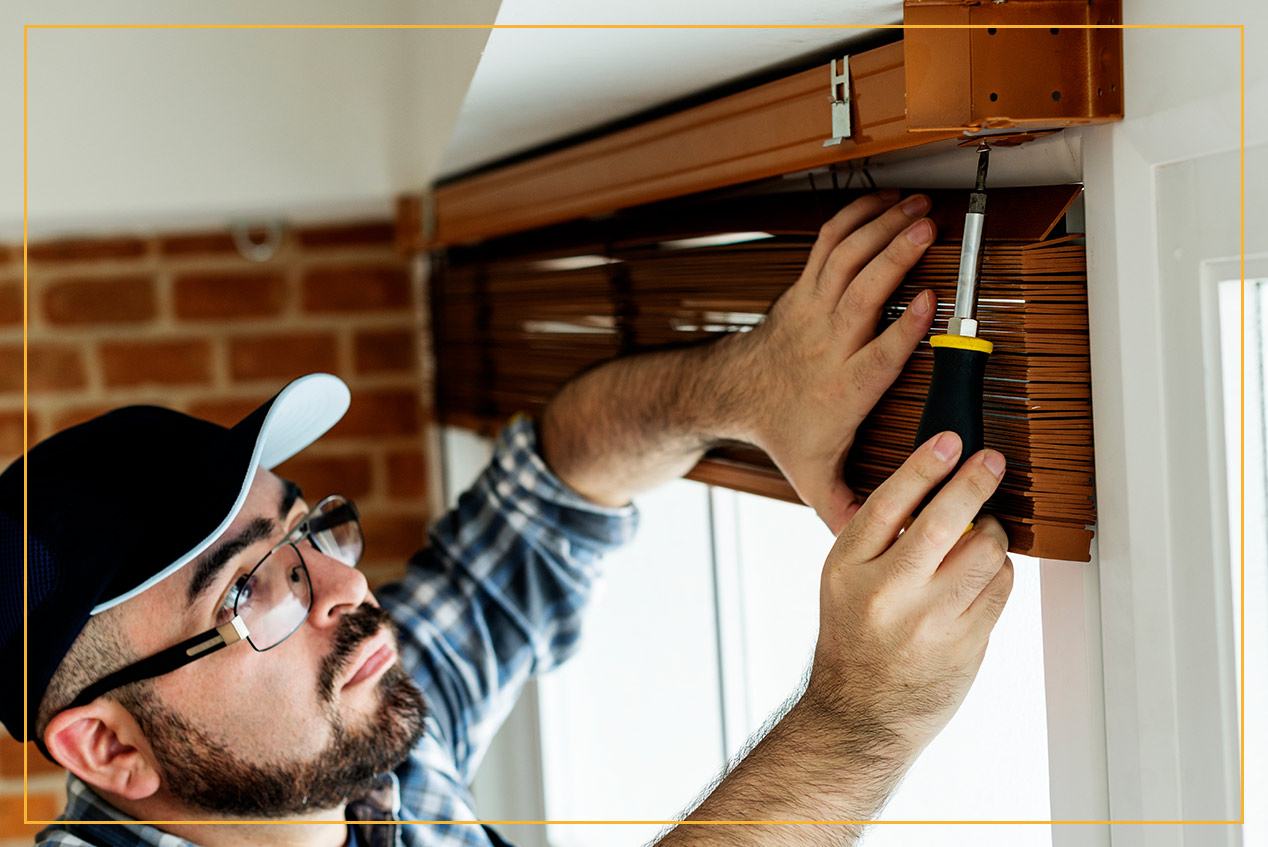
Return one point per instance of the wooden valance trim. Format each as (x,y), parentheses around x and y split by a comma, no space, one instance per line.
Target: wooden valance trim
(768,130)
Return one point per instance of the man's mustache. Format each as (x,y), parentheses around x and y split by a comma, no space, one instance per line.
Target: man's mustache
(354,629)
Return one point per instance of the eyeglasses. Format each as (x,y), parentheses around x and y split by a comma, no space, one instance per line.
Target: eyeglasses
(263,607)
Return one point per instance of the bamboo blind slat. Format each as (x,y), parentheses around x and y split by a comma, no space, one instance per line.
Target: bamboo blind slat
(511,326)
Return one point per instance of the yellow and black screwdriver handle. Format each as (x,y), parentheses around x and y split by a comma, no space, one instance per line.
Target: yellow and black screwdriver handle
(955,393)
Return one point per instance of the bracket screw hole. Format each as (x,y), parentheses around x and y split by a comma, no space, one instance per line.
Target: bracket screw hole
(1054,30)
(994,96)
(1056,95)
(991,31)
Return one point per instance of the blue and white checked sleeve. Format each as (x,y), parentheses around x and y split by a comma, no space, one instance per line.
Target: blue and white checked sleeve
(496,597)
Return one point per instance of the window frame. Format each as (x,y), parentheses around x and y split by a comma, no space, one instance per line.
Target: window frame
(1170,702)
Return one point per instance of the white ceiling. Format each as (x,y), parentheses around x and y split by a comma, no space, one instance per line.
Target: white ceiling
(537,85)
(165,128)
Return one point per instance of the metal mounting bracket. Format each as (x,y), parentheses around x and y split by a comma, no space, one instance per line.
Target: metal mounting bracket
(839,96)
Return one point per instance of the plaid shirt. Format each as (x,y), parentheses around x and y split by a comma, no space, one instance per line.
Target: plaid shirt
(495,598)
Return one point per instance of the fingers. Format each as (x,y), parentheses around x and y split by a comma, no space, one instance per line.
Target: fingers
(860,305)
(883,358)
(941,523)
(989,604)
(845,222)
(861,247)
(972,564)
(872,530)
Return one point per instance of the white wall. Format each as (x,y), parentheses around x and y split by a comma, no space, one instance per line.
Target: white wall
(167,126)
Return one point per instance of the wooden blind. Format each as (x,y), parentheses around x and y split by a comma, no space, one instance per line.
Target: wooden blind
(517,316)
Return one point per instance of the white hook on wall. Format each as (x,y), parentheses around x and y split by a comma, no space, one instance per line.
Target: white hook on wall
(247,246)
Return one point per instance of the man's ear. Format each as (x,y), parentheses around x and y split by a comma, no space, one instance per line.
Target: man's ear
(102,744)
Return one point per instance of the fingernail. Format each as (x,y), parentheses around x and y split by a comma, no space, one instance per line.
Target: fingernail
(994,462)
(915,205)
(889,195)
(921,305)
(947,445)
(920,233)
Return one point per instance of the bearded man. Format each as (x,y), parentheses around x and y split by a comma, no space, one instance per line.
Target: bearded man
(206,661)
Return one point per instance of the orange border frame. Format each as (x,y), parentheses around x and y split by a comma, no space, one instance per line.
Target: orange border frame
(25,589)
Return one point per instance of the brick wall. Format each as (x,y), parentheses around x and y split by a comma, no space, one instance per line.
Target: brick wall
(182,320)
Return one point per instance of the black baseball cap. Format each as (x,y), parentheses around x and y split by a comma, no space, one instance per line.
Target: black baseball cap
(121,502)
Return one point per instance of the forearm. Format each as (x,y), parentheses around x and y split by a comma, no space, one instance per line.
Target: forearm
(636,422)
(812,766)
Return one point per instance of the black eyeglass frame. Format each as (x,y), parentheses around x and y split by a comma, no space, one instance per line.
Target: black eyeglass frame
(217,638)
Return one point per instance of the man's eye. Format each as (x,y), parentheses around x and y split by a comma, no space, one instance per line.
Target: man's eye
(239,595)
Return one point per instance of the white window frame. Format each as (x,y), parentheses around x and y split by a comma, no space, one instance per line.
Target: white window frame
(1170,693)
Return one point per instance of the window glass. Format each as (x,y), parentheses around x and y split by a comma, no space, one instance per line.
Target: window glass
(1245,382)
(630,725)
(778,556)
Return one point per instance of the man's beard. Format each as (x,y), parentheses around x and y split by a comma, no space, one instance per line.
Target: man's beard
(205,775)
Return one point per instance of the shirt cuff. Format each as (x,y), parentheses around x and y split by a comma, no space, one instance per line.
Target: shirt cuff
(517,459)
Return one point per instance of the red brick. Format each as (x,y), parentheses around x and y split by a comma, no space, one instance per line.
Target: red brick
(356,288)
(392,537)
(50,367)
(190,243)
(348,234)
(72,249)
(11,302)
(11,759)
(10,436)
(282,355)
(42,806)
(320,476)
(209,241)
(118,299)
(381,413)
(226,412)
(406,474)
(132,363)
(246,294)
(386,350)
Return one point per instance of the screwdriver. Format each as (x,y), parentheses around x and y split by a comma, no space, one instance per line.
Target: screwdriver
(959,358)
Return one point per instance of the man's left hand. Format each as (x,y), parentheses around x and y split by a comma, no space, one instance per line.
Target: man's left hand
(816,367)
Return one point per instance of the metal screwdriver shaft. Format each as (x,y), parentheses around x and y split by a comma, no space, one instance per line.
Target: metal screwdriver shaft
(962,321)
(959,358)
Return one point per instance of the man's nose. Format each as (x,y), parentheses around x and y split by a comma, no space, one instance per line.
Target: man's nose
(337,588)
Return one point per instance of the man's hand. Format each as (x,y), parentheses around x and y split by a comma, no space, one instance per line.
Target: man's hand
(798,386)
(816,367)
(904,623)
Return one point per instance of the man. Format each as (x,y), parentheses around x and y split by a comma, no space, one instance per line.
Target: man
(159,543)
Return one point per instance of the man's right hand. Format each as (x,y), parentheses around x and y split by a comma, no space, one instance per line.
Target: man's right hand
(904,622)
